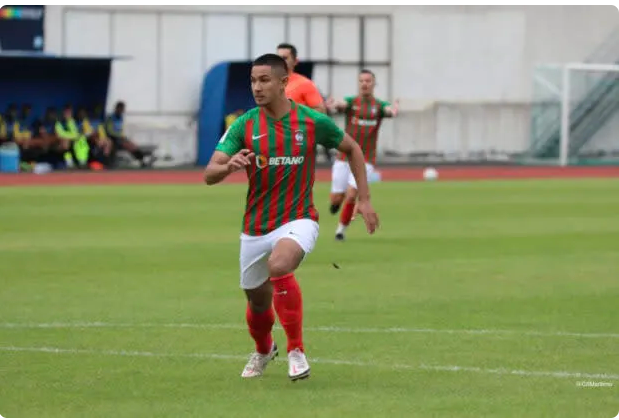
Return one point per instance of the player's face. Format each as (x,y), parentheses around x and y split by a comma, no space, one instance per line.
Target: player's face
(286,54)
(366,84)
(267,84)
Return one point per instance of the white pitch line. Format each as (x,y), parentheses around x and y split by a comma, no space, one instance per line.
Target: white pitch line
(352,330)
(420,367)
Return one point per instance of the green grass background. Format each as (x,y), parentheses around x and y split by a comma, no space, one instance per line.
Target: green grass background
(521,256)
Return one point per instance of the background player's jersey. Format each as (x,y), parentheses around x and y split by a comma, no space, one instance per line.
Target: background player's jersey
(363,119)
(281,177)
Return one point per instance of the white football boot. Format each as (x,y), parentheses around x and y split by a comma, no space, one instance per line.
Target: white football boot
(258,362)
(298,368)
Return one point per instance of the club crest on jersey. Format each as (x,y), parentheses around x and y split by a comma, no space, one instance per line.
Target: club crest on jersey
(299,137)
(261,161)
(264,161)
(373,111)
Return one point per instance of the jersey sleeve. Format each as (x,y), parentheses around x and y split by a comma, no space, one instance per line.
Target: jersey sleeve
(233,139)
(349,100)
(328,134)
(311,94)
(383,105)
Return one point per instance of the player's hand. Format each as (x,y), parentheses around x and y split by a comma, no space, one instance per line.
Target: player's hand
(240,160)
(395,108)
(330,104)
(369,216)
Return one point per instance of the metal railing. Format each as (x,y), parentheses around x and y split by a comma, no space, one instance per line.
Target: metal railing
(546,116)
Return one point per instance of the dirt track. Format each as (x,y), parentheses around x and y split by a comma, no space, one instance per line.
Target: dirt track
(388,174)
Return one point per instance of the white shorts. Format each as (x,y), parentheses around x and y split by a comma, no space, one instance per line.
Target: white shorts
(342,177)
(255,250)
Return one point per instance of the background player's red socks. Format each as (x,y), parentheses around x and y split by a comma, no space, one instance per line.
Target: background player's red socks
(260,326)
(289,307)
(347,213)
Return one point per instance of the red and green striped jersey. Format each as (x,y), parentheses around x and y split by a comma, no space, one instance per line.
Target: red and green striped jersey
(363,119)
(281,177)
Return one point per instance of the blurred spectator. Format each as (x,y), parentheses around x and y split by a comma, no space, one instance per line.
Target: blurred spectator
(66,129)
(230,118)
(100,147)
(114,126)
(58,147)
(23,124)
(3,131)
(10,119)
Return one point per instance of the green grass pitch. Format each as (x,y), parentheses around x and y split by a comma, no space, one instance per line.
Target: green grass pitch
(474,299)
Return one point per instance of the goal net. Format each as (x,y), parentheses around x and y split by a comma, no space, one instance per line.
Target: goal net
(575,115)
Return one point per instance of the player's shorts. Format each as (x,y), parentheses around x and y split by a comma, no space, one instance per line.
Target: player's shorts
(255,250)
(342,177)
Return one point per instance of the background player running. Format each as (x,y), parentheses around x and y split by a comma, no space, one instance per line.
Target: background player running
(276,144)
(364,114)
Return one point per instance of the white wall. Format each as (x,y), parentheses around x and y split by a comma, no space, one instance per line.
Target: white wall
(454,55)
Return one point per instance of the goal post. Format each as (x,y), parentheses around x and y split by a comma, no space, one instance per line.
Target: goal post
(575,114)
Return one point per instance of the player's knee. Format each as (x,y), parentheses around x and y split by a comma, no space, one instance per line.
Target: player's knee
(260,299)
(279,265)
(337,198)
(285,258)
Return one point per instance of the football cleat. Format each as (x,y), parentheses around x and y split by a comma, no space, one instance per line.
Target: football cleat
(258,362)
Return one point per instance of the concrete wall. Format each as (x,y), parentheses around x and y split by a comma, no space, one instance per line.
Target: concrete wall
(451,55)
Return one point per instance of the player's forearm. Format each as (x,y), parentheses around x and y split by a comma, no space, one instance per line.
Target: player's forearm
(215,173)
(357,166)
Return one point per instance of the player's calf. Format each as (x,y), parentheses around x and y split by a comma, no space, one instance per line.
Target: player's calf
(260,318)
(288,302)
(348,211)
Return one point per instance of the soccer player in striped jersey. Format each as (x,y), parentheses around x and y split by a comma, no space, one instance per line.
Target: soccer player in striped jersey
(276,145)
(364,114)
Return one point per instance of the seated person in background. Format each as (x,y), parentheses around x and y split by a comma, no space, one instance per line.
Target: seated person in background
(97,121)
(21,129)
(230,118)
(25,117)
(99,145)
(114,127)
(58,147)
(49,148)
(10,120)
(34,145)
(66,130)
(30,149)
(3,132)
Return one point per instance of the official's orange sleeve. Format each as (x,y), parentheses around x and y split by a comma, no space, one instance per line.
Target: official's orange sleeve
(312,96)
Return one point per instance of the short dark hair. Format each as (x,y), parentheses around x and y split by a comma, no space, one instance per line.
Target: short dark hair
(272,60)
(368,71)
(286,46)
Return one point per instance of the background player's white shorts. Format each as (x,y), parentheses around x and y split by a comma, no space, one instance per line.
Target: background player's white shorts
(255,250)
(342,177)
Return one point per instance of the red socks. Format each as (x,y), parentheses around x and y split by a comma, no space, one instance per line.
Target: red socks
(289,307)
(347,213)
(260,326)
